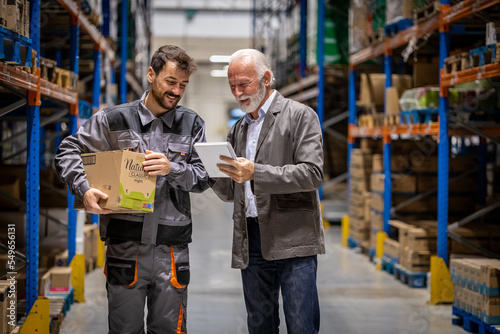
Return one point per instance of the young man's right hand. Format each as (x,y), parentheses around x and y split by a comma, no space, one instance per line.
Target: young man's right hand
(91,201)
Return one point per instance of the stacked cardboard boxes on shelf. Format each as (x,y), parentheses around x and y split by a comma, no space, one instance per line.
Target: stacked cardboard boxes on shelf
(90,235)
(372,96)
(14,15)
(408,244)
(377,190)
(414,172)
(359,205)
(476,287)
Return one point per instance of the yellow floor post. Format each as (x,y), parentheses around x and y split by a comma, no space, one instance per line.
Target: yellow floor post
(38,320)
(344,224)
(326,223)
(100,251)
(441,285)
(78,277)
(379,251)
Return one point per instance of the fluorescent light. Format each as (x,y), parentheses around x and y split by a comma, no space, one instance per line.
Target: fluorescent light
(218,73)
(220,59)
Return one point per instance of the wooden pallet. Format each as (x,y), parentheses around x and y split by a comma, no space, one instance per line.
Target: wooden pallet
(426,12)
(471,323)
(48,69)
(371,121)
(455,63)
(392,120)
(56,313)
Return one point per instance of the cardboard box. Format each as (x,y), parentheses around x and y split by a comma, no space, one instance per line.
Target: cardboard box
(90,241)
(13,15)
(121,176)
(491,310)
(490,278)
(377,182)
(61,259)
(3,13)
(426,73)
(378,163)
(372,88)
(26,19)
(9,306)
(57,280)
(422,239)
(392,249)
(417,261)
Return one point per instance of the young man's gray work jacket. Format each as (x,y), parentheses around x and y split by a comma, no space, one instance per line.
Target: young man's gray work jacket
(288,170)
(132,126)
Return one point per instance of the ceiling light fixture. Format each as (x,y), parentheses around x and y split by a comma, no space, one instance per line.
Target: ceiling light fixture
(220,59)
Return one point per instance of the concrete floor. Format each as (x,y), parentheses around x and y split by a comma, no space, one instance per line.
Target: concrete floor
(354,297)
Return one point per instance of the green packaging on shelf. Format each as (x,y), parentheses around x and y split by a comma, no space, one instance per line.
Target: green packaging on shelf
(121,176)
(419,98)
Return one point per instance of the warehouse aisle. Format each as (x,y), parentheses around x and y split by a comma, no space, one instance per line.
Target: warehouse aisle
(354,297)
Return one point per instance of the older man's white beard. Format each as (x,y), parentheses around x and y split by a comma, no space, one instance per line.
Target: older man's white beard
(255,100)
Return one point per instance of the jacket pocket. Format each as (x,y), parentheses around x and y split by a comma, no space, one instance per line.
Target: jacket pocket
(128,140)
(178,152)
(293,202)
(128,144)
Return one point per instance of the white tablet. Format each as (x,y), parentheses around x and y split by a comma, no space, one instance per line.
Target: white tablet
(209,154)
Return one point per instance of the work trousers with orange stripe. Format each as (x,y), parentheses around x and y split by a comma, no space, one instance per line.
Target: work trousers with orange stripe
(158,274)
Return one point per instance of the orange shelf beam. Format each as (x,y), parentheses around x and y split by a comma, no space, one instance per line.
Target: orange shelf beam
(418,129)
(452,14)
(25,80)
(466,8)
(414,129)
(470,75)
(395,41)
(91,30)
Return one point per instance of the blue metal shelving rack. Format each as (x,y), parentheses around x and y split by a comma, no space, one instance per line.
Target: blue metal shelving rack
(442,22)
(73,120)
(443,150)
(123,52)
(32,171)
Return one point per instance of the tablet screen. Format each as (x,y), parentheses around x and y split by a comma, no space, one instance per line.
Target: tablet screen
(209,154)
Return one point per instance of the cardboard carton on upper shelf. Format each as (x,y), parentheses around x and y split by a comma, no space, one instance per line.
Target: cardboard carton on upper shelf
(120,175)
(372,89)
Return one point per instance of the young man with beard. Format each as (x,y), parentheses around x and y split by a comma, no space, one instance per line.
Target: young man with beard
(147,254)
(278,229)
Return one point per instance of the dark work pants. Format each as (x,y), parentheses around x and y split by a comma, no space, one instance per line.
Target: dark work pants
(262,281)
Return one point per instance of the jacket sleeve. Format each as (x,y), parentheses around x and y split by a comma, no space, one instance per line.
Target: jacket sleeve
(223,187)
(306,171)
(93,136)
(190,175)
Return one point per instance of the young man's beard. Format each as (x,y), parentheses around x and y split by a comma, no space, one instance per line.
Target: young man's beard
(255,100)
(160,97)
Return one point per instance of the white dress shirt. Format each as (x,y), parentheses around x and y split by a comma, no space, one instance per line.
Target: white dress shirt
(254,127)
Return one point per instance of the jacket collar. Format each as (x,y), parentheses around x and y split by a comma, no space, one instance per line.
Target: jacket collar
(147,116)
(275,108)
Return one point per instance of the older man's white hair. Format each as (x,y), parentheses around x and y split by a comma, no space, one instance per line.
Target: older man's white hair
(259,60)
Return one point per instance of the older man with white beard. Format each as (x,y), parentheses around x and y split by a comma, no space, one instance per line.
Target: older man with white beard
(278,229)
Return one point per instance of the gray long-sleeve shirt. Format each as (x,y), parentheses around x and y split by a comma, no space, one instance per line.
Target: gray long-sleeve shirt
(133,126)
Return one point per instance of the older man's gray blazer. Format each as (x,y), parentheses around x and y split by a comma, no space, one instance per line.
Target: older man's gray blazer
(288,171)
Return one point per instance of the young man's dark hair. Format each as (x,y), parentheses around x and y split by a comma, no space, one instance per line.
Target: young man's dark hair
(174,54)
